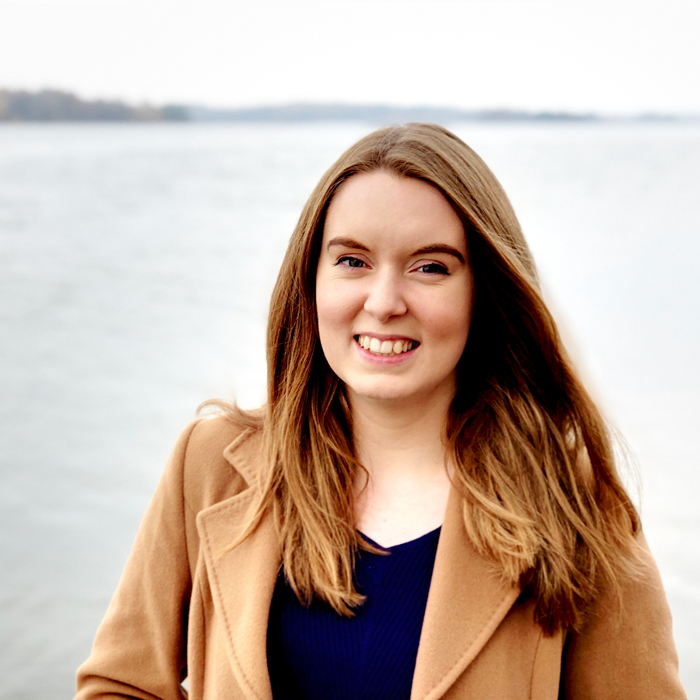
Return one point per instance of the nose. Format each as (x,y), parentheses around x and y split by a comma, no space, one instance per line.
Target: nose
(385,297)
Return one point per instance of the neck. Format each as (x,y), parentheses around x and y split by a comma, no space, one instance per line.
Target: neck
(403,450)
(389,437)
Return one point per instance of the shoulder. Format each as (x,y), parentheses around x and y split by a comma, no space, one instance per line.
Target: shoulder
(217,457)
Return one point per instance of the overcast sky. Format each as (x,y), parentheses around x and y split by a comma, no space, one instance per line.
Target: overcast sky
(613,56)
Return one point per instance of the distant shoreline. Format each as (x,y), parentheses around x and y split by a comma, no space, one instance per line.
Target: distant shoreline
(63,106)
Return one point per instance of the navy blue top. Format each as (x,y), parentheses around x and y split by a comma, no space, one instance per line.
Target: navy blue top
(316,654)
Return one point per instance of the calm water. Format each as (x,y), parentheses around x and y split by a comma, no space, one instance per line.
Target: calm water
(136,263)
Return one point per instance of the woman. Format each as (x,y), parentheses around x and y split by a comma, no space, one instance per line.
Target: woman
(428,506)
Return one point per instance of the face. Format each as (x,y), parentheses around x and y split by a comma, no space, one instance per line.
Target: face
(394,289)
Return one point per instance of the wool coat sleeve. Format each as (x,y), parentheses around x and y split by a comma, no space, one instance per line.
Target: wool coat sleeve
(140,647)
(625,649)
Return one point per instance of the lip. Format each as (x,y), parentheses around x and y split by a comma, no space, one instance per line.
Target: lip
(386,360)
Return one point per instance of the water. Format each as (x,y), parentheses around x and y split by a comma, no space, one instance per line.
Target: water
(136,263)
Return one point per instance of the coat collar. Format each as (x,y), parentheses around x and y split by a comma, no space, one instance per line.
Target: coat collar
(466,603)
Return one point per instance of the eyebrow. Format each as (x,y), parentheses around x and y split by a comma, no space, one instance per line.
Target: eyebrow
(441,248)
(346,243)
(434,248)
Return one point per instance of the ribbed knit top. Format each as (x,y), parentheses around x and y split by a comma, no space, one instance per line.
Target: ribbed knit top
(316,654)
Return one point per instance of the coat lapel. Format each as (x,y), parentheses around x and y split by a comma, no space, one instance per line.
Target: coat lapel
(243,579)
(466,603)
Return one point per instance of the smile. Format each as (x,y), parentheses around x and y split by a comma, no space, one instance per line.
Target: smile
(388,348)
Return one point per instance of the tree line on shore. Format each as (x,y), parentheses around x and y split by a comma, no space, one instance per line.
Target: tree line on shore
(58,105)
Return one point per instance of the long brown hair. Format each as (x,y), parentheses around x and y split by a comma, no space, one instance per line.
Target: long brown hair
(534,461)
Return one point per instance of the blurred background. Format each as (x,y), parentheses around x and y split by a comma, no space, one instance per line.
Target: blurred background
(154,158)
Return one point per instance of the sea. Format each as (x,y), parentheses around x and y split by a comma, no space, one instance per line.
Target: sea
(136,266)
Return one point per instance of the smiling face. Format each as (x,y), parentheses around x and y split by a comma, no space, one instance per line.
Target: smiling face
(394,289)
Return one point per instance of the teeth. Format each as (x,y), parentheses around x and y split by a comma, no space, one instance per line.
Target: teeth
(384,347)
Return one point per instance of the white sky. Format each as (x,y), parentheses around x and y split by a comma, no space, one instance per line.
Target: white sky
(613,56)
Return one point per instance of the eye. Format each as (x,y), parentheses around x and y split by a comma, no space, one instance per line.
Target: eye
(350,261)
(433,268)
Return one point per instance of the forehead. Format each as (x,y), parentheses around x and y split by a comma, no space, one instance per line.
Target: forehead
(384,206)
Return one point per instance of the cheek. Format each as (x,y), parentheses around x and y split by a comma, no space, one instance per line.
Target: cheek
(335,310)
(450,320)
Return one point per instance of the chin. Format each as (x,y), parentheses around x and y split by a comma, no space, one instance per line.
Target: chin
(386,393)
(397,392)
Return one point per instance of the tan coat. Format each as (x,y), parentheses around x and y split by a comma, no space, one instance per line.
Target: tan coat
(183,608)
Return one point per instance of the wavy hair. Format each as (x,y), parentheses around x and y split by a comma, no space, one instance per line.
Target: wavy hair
(534,459)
